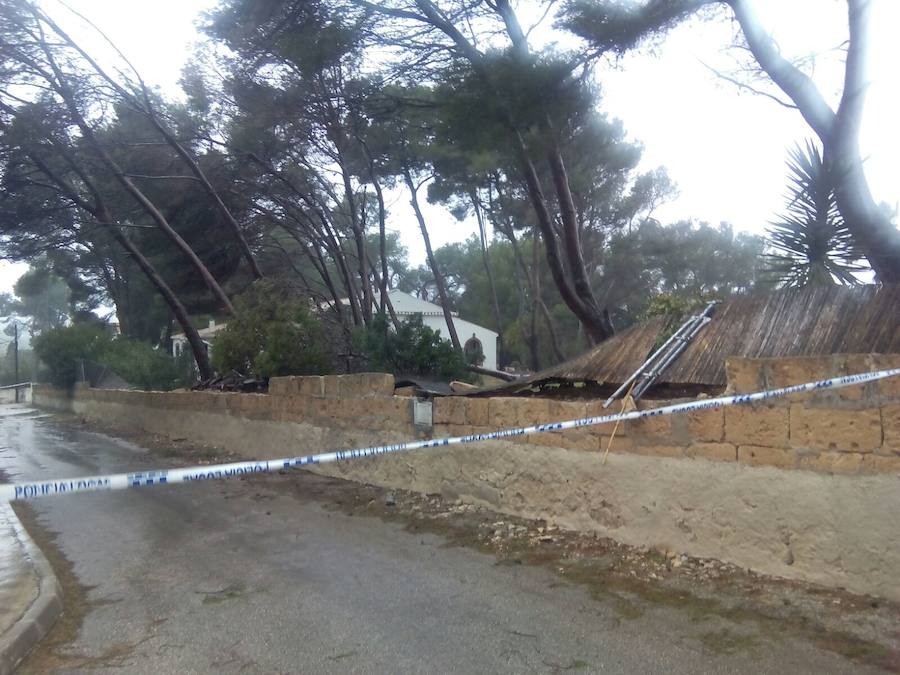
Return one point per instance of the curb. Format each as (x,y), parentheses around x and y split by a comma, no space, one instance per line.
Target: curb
(39,618)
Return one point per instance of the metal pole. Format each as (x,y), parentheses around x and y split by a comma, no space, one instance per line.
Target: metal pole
(674,354)
(696,323)
(649,360)
(16,357)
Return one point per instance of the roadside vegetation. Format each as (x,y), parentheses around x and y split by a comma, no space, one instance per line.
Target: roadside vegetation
(272,334)
(68,352)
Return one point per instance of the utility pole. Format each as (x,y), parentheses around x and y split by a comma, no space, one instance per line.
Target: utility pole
(16,359)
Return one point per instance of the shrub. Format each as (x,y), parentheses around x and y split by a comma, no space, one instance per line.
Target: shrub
(62,348)
(143,366)
(271,334)
(139,364)
(414,349)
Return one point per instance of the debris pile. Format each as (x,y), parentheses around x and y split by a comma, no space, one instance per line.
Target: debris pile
(233,381)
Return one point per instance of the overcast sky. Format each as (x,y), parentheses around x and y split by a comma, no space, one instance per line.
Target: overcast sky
(725,149)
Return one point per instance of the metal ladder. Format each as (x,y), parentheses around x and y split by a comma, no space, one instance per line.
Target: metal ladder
(662,358)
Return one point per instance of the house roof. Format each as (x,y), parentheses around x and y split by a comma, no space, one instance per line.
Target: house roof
(406,304)
(815,321)
(414,304)
(205,333)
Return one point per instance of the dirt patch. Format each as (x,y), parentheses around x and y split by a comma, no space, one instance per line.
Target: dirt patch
(757,608)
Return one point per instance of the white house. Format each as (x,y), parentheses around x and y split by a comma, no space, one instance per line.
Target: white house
(472,336)
(406,305)
(180,342)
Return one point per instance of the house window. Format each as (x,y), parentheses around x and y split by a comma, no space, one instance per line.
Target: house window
(474,351)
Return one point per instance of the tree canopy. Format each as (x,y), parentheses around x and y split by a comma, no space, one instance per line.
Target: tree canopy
(293,144)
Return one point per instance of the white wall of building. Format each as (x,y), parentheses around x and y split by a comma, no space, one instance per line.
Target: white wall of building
(404,305)
(433,317)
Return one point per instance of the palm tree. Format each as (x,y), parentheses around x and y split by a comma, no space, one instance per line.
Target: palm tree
(810,244)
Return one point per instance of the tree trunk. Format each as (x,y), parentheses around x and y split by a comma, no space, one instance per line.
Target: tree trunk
(382,228)
(592,319)
(479,216)
(198,349)
(359,237)
(839,132)
(386,304)
(146,106)
(66,93)
(554,337)
(535,302)
(438,277)
(232,222)
(103,217)
(316,260)
(334,246)
(597,324)
(571,238)
(878,238)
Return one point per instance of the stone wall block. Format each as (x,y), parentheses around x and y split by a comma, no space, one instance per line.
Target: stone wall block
(579,439)
(723,452)
(832,462)
(757,425)
(890,422)
(562,411)
(878,464)
(319,410)
(851,364)
(504,412)
(547,440)
(355,413)
(784,372)
(478,411)
(311,385)
(657,428)
(835,429)
(758,455)
(532,411)
(744,376)
(449,410)
(594,408)
(331,386)
(359,385)
(280,386)
(254,406)
(391,414)
(889,388)
(706,425)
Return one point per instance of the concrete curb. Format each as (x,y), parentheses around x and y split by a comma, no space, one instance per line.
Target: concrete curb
(39,618)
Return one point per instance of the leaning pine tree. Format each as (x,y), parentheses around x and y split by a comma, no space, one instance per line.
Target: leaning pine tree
(811,244)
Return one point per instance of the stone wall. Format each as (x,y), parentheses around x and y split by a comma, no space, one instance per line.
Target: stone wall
(851,430)
(804,488)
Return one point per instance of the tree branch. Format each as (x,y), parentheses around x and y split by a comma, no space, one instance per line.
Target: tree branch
(790,79)
(743,85)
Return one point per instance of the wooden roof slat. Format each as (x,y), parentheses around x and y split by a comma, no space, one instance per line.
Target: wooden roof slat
(788,322)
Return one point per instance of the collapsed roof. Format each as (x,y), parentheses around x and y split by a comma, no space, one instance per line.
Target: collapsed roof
(814,321)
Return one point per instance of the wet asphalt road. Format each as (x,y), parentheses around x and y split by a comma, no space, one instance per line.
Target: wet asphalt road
(226,577)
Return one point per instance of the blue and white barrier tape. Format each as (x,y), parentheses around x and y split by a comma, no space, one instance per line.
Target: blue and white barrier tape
(25,491)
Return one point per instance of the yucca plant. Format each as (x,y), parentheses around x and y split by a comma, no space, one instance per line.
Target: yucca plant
(810,244)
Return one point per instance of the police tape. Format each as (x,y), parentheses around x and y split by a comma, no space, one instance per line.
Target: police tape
(34,490)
